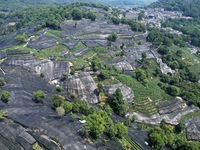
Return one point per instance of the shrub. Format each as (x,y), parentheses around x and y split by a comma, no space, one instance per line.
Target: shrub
(67,106)
(121,130)
(113,37)
(57,100)
(5,96)
(39,95)
(60,110)
(2,82)
(59,88)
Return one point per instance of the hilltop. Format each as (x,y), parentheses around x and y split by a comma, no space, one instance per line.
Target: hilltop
(13,5)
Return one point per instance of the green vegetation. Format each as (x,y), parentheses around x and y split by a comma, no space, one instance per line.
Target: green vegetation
(135,26)
(21,38)
(190,115)
(189,8)
(54,33)
(134,145)
(57,100)
(96,124)
(60,110)
(113,37)
(158,37)
(46,16)
(67,106)
(51,51)
(2,82)
(180,127)
(143,94)
(121,130)
(118,104)
(92,16)
(167,136)
(177,57)
(148,83)
(78,47)
(36,146)
(5,95)
(73,116)
(39,95)
(59,88)
(190,28)
(3,114)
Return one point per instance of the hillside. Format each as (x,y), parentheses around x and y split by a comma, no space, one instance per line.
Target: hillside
(13,5)
(188,7)
(88,76)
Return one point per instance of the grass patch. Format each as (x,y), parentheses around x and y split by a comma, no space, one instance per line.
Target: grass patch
(54,51)
(53,33)
(78,62)
(187,55)
(79,46)
(109,81)
(190,115)
(144,97)
(36,146)
(190,58)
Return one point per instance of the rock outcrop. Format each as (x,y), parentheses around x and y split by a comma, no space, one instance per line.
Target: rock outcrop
(126,91)
(50,69)
(122,65)
(193,128)
(42,42)
(83,86)
(28,122)
(163,67)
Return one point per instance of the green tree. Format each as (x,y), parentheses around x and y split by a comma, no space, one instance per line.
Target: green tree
(173,90)
(97,65)
(2,82)
(134,118)
(141,15)
(116,20)
(73,116)
(72,70)
(112,131)
(96,124)
(180,127)
(92,16)
(156,141)
(60,110)
(21,38)
(38,27)
(77,14)
(144,56)
(39,95)
(57,100)
(104,74)
(127,122)
(59,88)
(141,75)
(108,110)
(113,37)
(121,130)
(118,104)
(100,88)
(67,106)
(5,95)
